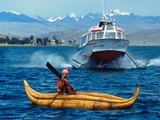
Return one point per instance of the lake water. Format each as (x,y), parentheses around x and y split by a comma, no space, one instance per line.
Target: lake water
(19,63)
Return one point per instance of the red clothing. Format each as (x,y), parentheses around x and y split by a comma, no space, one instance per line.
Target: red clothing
(63,87)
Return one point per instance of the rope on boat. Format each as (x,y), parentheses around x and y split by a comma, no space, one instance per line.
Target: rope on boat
(52,100)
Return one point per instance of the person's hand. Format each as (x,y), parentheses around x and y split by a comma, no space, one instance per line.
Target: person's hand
(59,90)
(63,78)
(66,80)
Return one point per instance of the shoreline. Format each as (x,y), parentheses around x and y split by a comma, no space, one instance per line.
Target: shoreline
(29,45)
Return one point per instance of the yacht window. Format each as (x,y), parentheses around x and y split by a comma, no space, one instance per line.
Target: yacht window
(84,40)
(110,35)
(94,35)
(89,37)
(110,27)
(103,27)
(100,35)
(120,35)
(102,23)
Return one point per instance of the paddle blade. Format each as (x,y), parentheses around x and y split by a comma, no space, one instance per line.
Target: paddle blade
(59,75)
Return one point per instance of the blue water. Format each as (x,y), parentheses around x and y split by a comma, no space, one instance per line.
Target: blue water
(19,63)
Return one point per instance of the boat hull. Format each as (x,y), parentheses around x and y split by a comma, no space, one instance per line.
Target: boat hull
(107,56)
(84,100)
(100,52)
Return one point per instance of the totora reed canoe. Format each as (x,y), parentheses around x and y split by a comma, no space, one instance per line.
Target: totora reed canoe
(84,100)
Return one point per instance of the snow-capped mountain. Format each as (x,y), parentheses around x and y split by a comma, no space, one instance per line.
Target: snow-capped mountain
(117,12)
(14,12)
(90,16)
(120,16)
(53,19)
(39,18)
(72,15)
(12,16)
(68,18)
(73,18)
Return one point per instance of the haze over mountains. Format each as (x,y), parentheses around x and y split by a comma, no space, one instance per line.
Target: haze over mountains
(14,23)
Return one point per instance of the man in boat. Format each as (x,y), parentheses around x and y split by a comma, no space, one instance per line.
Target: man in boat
(63,84)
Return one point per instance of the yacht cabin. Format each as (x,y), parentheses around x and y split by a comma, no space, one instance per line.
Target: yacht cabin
(105,30)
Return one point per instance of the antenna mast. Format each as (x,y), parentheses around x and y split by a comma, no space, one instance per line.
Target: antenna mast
(103,10)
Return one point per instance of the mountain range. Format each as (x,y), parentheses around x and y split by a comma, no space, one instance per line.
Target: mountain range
(15,23)
(120,16)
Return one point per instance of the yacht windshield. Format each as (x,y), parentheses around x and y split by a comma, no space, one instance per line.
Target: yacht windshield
(110,27)
(110,35)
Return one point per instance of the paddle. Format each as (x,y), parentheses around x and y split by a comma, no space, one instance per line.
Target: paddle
(70,89)
(54,70)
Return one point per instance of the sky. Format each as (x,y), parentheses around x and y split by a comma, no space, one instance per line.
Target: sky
(54,8)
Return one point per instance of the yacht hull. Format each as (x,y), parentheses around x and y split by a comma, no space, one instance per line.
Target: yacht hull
(100,52)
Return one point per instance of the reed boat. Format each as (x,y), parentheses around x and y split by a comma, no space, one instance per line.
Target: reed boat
(83,100)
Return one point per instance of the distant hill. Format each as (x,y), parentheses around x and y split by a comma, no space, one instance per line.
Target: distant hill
(146,38)
(141,38)
(66,35)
